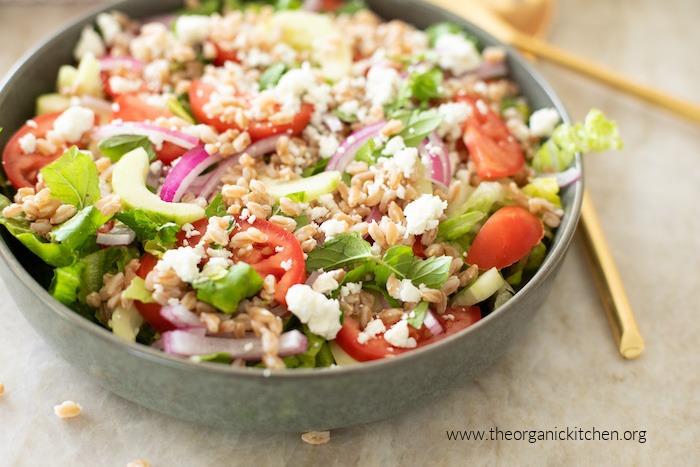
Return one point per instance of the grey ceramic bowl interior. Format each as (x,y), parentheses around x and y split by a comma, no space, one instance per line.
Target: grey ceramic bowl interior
(252,399)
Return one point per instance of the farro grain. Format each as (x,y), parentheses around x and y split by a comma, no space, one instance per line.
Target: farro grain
(67,409)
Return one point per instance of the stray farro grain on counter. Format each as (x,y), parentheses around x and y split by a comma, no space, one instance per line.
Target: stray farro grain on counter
(276,187)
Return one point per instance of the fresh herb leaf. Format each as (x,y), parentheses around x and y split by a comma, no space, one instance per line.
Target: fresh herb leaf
(351,7)
(177,107)
(439,29)
(418,125)
(317,168)
(315,356)
(368,152)
(116,146)
(421,85)
(241,281)
(157,233)
(271,76)
(217,207)
(400,261)
(342,250)
(220,357)
(345,117)
(73,178)
(417,315)
(460,225)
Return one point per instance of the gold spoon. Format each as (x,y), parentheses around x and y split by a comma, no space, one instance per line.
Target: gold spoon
(533,19)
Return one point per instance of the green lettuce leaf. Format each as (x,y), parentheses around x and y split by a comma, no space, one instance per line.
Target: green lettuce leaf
(225,293)
(116,146)
(81,228)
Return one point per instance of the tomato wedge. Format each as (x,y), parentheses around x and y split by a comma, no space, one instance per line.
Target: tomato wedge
(280,255)
(130,108)
(224,55)
(506,237)
(454,319)
(22,169)
(200,94)
(493,150)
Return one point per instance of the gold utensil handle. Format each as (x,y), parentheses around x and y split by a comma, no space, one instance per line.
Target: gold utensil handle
(617,306)
(587,67)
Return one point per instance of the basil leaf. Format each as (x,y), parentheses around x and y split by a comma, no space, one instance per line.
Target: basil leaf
(397,260)
(73,178)
(116,146)
(241,281)
(150,226)
(217,207)
(422,85)
(342,250)
(271,76)
(418,125)
(400,261)
(432,272)
(368,152)
(418,315)
(317,168)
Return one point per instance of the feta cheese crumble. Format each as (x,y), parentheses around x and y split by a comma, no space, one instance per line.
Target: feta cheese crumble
(325,283)
(457,53)
(407,292)
(72,124)
(543,121)
(333,227)
(453,113)
(397,335)
(192,28)
(423,214)
(184,262)
(373,328)
(319,312)
(382,84)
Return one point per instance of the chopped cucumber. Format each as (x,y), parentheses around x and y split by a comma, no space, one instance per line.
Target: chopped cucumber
(52,102)
(66,79)
(312,187)
(482,288)
(88,81)
(129,182)
(341,357)
(125,323)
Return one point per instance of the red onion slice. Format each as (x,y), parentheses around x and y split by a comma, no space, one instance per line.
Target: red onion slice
(181,176)
(257,149)
(348,148)
(565,178)
(116,236)
(156,134)
(180,317)
(436,151)
(432,323)
(188,343)
(110,63)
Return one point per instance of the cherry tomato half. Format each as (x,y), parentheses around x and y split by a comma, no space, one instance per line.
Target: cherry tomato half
(506,237)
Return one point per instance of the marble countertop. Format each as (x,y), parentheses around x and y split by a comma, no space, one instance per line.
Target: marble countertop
(565,374)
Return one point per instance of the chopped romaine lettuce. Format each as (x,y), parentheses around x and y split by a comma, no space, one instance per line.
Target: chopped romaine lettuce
(241,281)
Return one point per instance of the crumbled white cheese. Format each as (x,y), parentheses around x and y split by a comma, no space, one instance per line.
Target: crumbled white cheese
(394,145)
(89,42)
(423,214)
(457,53)
(319,312)
(27,143)
(382,84)
(373,328)
(286,265)
(407,292)
(404,160)
(397,335)
(333,227)
(72,124)
(184,261)
(454,114)
(109,27)
(318,212)
(351,288)
(327,145)
(518,129)
(215,268)
(543,121)
(121,85)
(192,28)
(325,283)
(291,86)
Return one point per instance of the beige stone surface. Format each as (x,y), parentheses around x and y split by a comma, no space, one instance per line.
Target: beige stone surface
(565,373)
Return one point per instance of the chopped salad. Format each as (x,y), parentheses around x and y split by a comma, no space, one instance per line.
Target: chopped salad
(261,184)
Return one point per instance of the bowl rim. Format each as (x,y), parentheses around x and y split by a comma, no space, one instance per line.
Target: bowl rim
(565,233)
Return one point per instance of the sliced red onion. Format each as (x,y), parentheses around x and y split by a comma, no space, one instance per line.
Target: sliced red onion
(116,236)
(374,215)
(110,63)
(257,149)
(348,148)
(312,277)
(489,70)
(436,151)
(157,135)
(333,123)
(432,323)
(188,343)
(180,317)
(566,177)
(96,104)
(311,5)
(190,166)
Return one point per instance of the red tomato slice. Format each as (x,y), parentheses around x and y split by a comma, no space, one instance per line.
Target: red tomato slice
(506,237)
(263,258)
(454,319)
(200,93)
(130,108)
(495,152)
(22,169)
(224,55)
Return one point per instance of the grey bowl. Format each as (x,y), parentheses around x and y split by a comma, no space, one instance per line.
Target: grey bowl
(251,399)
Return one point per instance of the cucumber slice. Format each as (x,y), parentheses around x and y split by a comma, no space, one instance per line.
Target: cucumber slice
(129,182)
(125,323)
(312,187)
(52,102)
(66,79)
(88,81)
(482,288)
(341,357)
